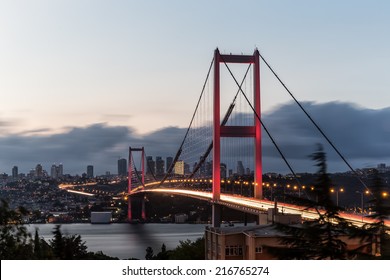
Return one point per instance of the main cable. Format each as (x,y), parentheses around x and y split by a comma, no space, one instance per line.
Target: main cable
(189,127)
(265,128)
(314,123)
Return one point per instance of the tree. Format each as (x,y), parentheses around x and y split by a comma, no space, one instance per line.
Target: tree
(374,235)
(149,253)
(164,254)
(67,247)
(189,250)
(58,243)
(15,241)
(319,238)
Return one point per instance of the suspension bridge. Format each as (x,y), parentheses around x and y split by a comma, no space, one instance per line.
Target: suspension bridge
(225,131)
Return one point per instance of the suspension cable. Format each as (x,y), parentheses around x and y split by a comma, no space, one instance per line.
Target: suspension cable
(262,123)
(314,123)
(224,121)
(189,127)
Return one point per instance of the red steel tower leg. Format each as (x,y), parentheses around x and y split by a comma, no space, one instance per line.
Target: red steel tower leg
(129,183)
(235,131)
(129,175)
(216,131)
(258,176)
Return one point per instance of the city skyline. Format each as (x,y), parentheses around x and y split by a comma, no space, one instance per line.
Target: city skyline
(78,79)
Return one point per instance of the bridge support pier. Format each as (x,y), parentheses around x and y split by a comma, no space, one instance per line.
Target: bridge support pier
(216,215)
(143,213)
(136,209)
(129,211)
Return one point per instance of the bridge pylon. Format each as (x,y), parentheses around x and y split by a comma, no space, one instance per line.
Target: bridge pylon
(235,131)
(131,170)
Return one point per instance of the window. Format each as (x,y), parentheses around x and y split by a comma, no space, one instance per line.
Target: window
(259,250)
(235,250)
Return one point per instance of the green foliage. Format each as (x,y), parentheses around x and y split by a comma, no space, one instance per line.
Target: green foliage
(186,250)
(374,235)
(319,238)
(149,254)
(15,241)
(17,244)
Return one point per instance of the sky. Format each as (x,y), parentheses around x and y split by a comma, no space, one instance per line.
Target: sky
(80,81)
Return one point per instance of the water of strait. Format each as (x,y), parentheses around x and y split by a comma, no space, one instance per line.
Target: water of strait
(126,240)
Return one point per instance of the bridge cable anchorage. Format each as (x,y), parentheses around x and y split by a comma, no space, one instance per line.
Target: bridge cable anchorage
(314,123)
(265,128)
(224,121)
(169,172)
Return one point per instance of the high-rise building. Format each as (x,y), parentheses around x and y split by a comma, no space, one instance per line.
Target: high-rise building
(209,168)
(122,167)
(90,171)
(179,167)
(54,171)
(169,161)
(60,170)
(15,173)
(187,168)
(150,165)
(38,171)
(240,168)
(159,166)
(223,171)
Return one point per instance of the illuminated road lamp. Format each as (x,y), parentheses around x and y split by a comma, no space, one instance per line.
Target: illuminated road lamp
(362,200)
(337,194)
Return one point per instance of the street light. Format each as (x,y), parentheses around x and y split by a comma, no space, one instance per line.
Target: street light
(299,190)
(337,194)
(362,200)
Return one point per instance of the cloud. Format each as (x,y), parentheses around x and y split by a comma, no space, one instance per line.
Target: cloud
(362,135)
(98,144)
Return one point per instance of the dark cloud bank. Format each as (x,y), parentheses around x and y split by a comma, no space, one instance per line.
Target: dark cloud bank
(362,135)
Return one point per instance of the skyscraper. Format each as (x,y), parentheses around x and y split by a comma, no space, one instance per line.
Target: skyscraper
(54,171)
(60,170)
(159,166)
(240,168)
(122,167)
(15,173)
(38,171)
(223,171)
(169,161)
(90,171)
(150,165)
(179,167)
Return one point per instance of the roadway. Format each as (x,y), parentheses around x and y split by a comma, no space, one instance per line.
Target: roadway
(255,206)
